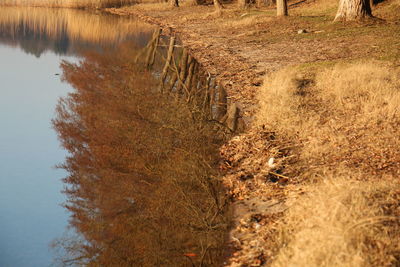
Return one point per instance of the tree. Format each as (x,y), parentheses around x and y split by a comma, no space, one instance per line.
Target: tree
(241,4)
(353,10)
(281,8)
(174,3)
(218,6)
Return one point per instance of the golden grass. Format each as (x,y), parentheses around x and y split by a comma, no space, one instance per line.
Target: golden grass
(67,3)
(151,6)
(316,8)
(342,222)
(244,21)
(346,114)
(345,122)
(77,24)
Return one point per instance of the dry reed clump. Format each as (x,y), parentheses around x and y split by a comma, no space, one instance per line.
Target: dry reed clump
(68,3)
(347,116)
(342,222)
(77,24)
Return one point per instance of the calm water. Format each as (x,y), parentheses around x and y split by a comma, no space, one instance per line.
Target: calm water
(32,44)
(30,215)
(142,127)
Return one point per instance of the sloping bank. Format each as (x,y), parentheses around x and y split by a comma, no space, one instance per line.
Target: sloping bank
(314,180)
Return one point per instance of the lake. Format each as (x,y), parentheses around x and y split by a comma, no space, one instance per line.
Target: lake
(33,42)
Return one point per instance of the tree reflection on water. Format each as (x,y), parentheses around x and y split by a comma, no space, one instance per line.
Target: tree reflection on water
(142,184)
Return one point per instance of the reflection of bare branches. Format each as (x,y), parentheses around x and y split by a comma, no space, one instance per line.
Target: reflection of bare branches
(154,156)
(152,48)
(167,61)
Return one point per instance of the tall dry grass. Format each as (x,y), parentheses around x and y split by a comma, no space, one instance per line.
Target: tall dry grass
(77,24)
(68,3)
(346,115)
(345,123)
(342,222)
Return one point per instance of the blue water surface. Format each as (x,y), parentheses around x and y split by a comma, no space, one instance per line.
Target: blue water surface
(30,212)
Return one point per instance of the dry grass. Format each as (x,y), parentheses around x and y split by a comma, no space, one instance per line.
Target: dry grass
(78,25)
(245,20)
(345,123)
(344,223)
(149,6)
(68,3)
(345,115)
(316,8)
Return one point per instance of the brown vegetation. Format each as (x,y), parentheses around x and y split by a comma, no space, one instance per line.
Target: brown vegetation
(78,25)
(315,179)
(67,3)
(346,116)
(342,123)
(342,222)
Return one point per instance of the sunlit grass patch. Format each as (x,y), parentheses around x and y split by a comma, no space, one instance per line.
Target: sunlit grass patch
(342,114)
(345,120)
(342,222)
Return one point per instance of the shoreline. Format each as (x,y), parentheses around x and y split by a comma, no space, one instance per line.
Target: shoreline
(240,82)
(242,48)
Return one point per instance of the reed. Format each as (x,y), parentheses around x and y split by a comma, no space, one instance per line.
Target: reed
(68,3)
(77,24)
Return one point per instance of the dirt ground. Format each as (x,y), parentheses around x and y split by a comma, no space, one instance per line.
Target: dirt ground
(243,47)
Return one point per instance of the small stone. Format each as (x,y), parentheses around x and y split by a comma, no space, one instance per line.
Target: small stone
(302,31)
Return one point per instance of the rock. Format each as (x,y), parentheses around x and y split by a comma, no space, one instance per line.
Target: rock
(302,31)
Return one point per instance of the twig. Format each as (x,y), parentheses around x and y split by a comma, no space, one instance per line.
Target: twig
(279,175)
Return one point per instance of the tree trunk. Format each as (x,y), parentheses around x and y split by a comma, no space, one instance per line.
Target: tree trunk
(353,10)
(281,8)
(241,4)
(218,7)
(174,3)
